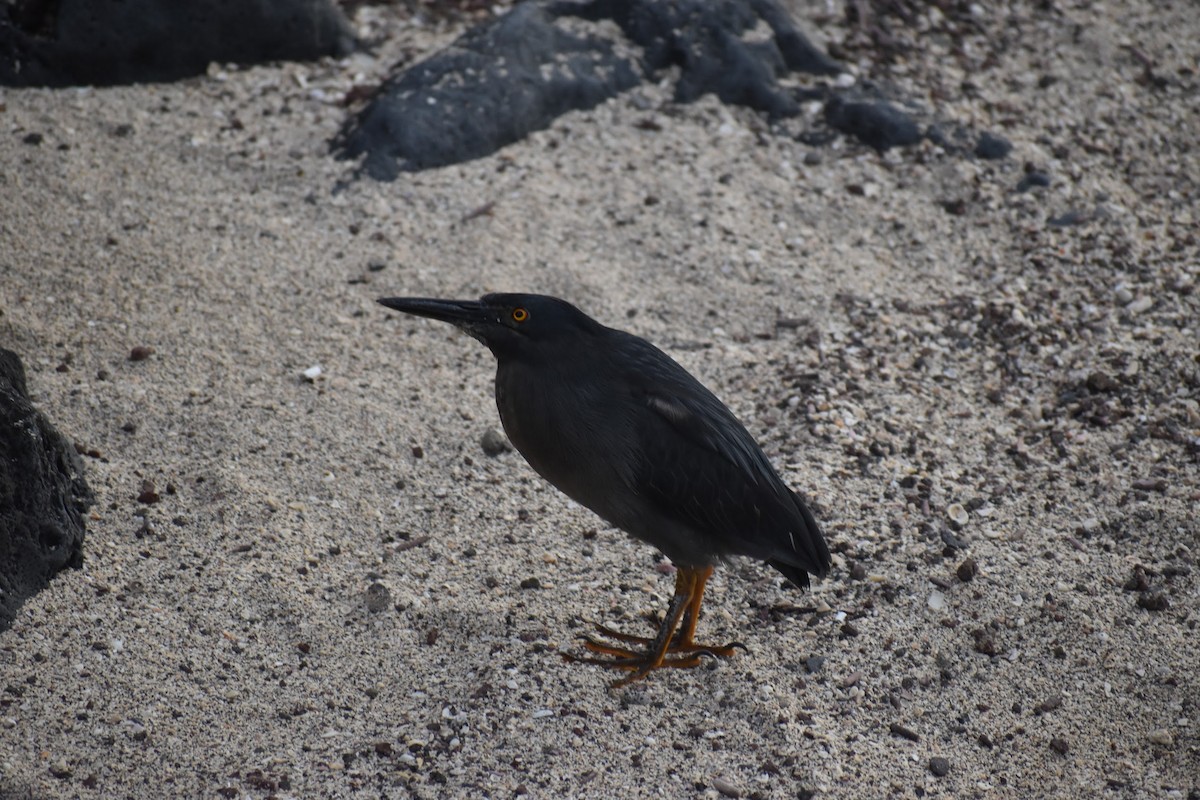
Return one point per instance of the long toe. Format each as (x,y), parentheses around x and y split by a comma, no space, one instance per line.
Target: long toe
(719,651)
(604,648)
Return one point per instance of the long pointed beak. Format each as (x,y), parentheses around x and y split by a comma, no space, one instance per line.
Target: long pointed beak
(466,314)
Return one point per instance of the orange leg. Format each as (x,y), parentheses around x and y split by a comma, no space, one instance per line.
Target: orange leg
(674,637)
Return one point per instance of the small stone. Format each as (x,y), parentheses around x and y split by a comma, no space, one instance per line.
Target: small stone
(939,766)
(1138,580)
(726,788)
(991,146)
(1102,382)
(1033,180)
(140,353)
(60,769)
(494,443)
(936,601)
(896,729)
(1150,485)
(312,373)
(814,663)
(148,495)
(378,597)
(957,515)
(531,583)
(1059,745)
(1161,737)
(1140,305)
(858,572)
(967,570)
(1123,296)
(985,643)
(1048,705)
(1154,600)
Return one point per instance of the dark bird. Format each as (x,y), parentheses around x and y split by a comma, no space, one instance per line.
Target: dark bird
(621,428)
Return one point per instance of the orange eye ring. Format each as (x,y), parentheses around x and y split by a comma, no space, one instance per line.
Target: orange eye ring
(519,315)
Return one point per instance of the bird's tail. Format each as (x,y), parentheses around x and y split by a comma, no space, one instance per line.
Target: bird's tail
(811,556)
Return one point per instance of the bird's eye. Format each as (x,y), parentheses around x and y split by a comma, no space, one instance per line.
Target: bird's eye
(519,315)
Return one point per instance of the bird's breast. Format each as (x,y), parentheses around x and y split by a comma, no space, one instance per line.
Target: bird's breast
(571,432)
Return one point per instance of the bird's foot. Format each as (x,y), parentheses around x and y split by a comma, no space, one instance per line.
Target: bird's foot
(642,660)
(676,647)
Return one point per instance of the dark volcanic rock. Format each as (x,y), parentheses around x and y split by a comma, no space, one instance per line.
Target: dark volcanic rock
(43,495)
(513,75)
(877,124)
(991,146)
(105,42)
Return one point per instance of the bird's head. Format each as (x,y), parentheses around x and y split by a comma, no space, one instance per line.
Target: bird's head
(509,324)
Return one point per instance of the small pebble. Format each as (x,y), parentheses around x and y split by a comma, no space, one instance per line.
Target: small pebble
(531,583)
(312,373)
(936,601)
(991,146)
(1059,745)
(939,766)
(1153,601)
(726,788)
(140,353)
(814,664)
(1150,485)
(986,643)
(1140,305)
(1162,737)
(148,496)
(967,570)
(1032,180)
(896,729)
(494,443)
(957,515)
(1123,296)
(378,597)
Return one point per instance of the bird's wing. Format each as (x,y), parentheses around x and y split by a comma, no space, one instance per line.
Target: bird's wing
(697,463)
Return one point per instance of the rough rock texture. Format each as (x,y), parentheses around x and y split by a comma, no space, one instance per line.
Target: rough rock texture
(105,42)
(518,72)
(43,495)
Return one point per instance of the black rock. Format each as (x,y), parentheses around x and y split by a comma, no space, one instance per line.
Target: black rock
(43,495)
(106,42)
(515,74)
(991,146)
(939,766)
(1032,180)
(877,124)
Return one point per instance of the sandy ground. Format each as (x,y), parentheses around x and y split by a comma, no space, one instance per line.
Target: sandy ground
(327,601)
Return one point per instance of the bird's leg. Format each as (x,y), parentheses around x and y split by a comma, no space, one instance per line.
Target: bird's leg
(683,587)
(671,639)
(683,641)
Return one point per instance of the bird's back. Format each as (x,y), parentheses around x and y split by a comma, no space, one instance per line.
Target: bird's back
(623,429)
